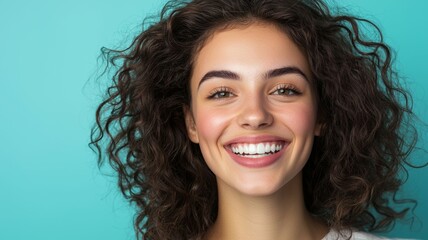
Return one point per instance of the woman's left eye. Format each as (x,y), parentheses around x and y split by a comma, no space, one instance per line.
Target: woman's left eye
(286,90)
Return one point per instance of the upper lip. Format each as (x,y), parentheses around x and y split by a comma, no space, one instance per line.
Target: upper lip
(255,139)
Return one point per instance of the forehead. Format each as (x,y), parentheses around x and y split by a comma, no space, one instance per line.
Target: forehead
(256,45)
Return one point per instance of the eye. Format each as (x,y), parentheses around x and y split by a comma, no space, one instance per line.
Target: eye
(222,92)
(286,90)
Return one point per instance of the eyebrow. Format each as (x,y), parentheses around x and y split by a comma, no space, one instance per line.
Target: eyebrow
(270,74)
(283,71)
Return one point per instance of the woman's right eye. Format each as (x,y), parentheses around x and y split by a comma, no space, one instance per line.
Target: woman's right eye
(220,93)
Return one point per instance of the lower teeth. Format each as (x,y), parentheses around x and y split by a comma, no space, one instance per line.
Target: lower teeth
(255,155)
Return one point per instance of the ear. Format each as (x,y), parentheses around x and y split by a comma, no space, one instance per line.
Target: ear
(192,133)
(320,124)
(318,128)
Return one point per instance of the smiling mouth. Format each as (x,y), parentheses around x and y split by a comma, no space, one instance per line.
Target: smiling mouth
(256,150)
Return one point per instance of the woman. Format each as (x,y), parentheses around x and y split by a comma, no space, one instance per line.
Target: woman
(256,119)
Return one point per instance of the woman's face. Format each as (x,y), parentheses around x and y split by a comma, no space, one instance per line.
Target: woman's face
(253,110)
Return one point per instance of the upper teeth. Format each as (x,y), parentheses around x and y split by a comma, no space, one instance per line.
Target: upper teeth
(256,148)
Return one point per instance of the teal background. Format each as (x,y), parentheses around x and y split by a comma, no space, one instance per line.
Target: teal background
(50,186)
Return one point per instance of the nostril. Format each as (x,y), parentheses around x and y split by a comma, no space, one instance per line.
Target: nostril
(256,119)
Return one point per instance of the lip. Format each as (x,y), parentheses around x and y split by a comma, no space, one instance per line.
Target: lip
(258,162)
(255,139)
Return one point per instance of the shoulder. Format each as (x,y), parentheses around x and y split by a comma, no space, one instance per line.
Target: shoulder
(365,236)
(355,235)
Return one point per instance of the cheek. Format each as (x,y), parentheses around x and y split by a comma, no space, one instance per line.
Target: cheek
(301,118)
(210,123)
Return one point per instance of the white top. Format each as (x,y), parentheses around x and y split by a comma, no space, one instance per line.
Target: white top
(334,235)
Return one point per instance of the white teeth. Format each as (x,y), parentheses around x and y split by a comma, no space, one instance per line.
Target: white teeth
(260,148)
(241,149)
(267,148)
(256,149)
(252,149)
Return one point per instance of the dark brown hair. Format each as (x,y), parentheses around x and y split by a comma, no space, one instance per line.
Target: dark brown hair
(351,178)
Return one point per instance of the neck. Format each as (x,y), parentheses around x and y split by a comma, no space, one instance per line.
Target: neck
(281,215)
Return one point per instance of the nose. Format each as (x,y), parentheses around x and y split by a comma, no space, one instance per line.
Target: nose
(254,113)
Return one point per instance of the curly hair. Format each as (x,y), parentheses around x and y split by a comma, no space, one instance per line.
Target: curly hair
(352,176)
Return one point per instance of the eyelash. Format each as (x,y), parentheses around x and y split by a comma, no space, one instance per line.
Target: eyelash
(225,92)
(288,90)
(215,94)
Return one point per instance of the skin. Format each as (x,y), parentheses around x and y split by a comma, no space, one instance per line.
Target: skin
(251,85)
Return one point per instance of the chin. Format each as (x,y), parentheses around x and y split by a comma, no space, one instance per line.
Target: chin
(260,186)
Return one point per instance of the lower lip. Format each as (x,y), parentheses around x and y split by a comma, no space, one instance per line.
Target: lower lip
(257,162)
